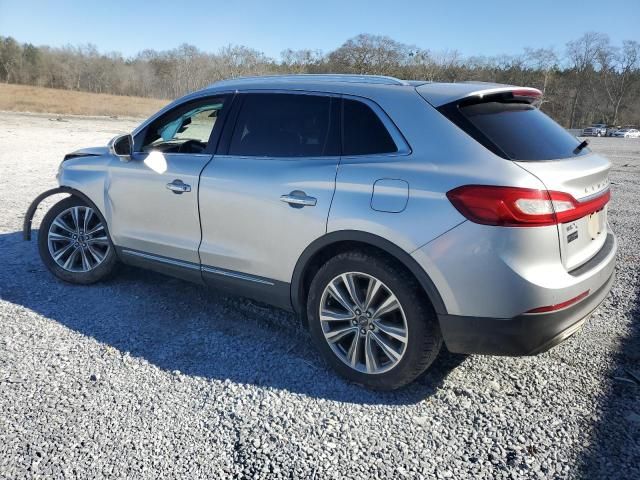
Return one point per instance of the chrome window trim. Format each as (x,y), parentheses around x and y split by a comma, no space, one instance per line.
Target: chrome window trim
(140,155)
(332,158)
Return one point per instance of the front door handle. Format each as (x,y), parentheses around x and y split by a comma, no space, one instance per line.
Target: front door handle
(178,187)
(298,199)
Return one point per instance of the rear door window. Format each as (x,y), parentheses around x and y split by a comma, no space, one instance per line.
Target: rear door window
(363,131)
(520,131)
(286,125)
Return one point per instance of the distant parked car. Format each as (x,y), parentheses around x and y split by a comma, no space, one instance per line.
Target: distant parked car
(595,130)
(627,133)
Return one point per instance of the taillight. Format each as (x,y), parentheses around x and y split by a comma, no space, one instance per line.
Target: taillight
(581,209)
(521,207)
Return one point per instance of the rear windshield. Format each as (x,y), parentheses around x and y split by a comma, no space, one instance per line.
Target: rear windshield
(519,131)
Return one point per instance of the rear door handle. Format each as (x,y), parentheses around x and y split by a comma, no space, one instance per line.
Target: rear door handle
(178,187)
(298,199)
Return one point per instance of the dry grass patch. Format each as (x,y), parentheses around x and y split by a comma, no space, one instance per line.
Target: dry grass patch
(23,98)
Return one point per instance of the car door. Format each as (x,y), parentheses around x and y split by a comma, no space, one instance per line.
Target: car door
(266,194)
(152,199)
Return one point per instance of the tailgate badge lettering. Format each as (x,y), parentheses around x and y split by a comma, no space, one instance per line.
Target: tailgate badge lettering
(572,231)
(597,187)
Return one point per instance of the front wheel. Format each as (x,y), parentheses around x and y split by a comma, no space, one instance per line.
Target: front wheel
(371,321)
(74,243)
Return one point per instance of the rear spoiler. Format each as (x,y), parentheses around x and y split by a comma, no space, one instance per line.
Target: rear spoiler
(439,94)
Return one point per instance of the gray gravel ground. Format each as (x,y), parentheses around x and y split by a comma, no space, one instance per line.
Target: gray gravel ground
(147,376)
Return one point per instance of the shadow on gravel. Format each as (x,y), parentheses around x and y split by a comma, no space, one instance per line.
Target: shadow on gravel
(614,446)
(177,325)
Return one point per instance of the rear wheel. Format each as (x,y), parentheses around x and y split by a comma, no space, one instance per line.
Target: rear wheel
(74,242)
(371,322)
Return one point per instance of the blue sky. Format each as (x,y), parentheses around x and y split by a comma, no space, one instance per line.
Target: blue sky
(472,27)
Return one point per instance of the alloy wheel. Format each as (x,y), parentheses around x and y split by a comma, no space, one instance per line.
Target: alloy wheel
(77,240)
(363,322)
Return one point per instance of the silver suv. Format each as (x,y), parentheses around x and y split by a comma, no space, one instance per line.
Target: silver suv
(389,215)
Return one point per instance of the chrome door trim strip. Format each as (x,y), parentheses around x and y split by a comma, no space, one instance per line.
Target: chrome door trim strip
(193,266)
(240,276)
(169,261)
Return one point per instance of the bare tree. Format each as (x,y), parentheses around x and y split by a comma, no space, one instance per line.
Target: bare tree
(592,80)
(236,61)
(618,67)
(545,62)
(370,54)
(300,61)
(422,65)
(582,54)
(449,63)
(9,58)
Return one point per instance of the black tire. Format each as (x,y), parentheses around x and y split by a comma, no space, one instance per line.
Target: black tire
(424,337)
(100,272)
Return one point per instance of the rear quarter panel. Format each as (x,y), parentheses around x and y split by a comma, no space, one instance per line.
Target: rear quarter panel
(442,157)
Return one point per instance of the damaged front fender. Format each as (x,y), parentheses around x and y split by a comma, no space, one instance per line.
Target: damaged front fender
(26,227)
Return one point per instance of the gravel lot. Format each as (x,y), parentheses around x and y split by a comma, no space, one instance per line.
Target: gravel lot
(147,376)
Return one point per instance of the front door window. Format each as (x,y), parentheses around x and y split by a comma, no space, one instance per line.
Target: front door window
(185,130)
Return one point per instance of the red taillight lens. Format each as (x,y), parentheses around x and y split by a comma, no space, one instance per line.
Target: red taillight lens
(581,209)
(521,207)
(532,93)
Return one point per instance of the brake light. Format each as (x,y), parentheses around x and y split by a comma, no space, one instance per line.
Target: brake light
(530,95)
(527,93)
(521,207)
(559,306)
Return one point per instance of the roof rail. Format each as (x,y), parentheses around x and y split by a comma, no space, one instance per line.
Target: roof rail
(322,77)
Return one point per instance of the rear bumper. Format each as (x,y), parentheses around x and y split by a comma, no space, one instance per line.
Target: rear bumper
(526,334)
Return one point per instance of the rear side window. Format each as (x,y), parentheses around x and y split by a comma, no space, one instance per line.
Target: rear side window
(519,131)
(286,125)
(363,131)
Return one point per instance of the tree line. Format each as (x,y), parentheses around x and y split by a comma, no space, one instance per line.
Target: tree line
(589,80)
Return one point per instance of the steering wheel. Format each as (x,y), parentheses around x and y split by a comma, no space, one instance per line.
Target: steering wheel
(192,146)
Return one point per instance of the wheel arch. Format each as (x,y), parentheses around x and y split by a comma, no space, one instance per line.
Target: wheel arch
(28,217)
(334,243)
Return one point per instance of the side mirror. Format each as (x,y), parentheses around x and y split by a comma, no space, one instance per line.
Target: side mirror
(122,147)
